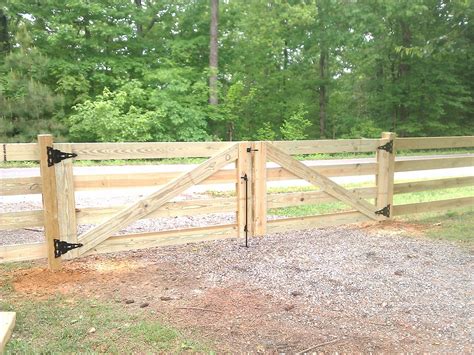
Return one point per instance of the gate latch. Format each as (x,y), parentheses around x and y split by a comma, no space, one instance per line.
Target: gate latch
(384,211)
(61,247)
(56,156)
(387,146)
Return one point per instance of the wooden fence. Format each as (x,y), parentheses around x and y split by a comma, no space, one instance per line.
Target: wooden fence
(249,172)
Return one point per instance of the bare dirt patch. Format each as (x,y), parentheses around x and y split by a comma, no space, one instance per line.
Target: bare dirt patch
(345,288)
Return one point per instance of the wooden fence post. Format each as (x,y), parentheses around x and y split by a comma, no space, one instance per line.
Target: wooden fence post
(259,184)
(66,200)
(385,173)
(50,203)
(244,190)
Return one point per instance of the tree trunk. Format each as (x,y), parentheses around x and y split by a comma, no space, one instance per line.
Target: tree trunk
(138,4)
(322,92)
(4,37)
(213,54)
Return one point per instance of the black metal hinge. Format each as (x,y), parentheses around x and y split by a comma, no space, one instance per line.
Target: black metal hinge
(250,150)
(387,146)
(56,156)
(384,211)
(61,247)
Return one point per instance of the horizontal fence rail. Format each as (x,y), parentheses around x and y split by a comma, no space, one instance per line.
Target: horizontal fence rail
(251,200)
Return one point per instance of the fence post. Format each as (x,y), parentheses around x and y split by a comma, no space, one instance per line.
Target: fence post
(385,173)
(259,184)
(244,191)
(66,200)
(50,203)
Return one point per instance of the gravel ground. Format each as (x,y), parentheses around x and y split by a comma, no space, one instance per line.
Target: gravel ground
(391,282)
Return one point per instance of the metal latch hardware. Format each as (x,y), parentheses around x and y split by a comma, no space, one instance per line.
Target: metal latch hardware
(61,247)
(56,156)
(384,211)
(387,146)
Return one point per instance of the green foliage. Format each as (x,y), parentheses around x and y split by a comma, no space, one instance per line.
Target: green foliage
(403,66)
(296,126)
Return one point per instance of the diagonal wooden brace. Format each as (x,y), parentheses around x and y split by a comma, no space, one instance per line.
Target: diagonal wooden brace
(152,202)
(299,169)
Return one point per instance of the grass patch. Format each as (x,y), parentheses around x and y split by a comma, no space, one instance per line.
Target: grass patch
(61,325)
(456,226)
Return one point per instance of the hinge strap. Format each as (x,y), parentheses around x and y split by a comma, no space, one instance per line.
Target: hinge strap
(387,146)
(384,211)
(56,156)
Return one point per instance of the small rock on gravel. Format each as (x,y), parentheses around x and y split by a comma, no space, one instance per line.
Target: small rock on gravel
(165,298)
(144,304)
(129,301)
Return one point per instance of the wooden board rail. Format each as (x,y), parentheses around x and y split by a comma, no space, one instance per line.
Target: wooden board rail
(435,142)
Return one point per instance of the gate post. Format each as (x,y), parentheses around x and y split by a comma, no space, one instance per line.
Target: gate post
(66,200)
(50,203)
(244,191)
(385,173)
(259,185)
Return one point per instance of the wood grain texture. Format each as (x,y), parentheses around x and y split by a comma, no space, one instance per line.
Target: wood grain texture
(321,221)
(416,186)
(327,146)
(434,163)
(152,202)
(50,200)
(22,219)
(244,190)
(259,176)
(156,239)
(21,152)
(66,201)
(431,206)
(313,197)
(435,142)
(151,150)
(385,173)
(7,323)
(20,186)
(327,185)
(23,252)
(93,215)
(104,181)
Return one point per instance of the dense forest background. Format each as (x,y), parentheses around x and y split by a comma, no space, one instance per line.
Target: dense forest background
(184,70)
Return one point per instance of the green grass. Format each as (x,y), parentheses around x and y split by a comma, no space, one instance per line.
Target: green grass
(456,226)
(62,325)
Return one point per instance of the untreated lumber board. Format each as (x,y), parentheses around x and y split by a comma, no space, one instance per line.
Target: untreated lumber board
(259,182)
(434,163)
(50,200)
(99,181)
(7,323)
(156,239)
(23,252)
(320,221)
(20,151)
(152,202)
(21,219)
(431,206)
(385,174)
(276,155)
(66,200)
(20,186)
(151,150)
(276,200)
(416,186)
(92,215)
(244,191)
(327,146)
(435,142)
